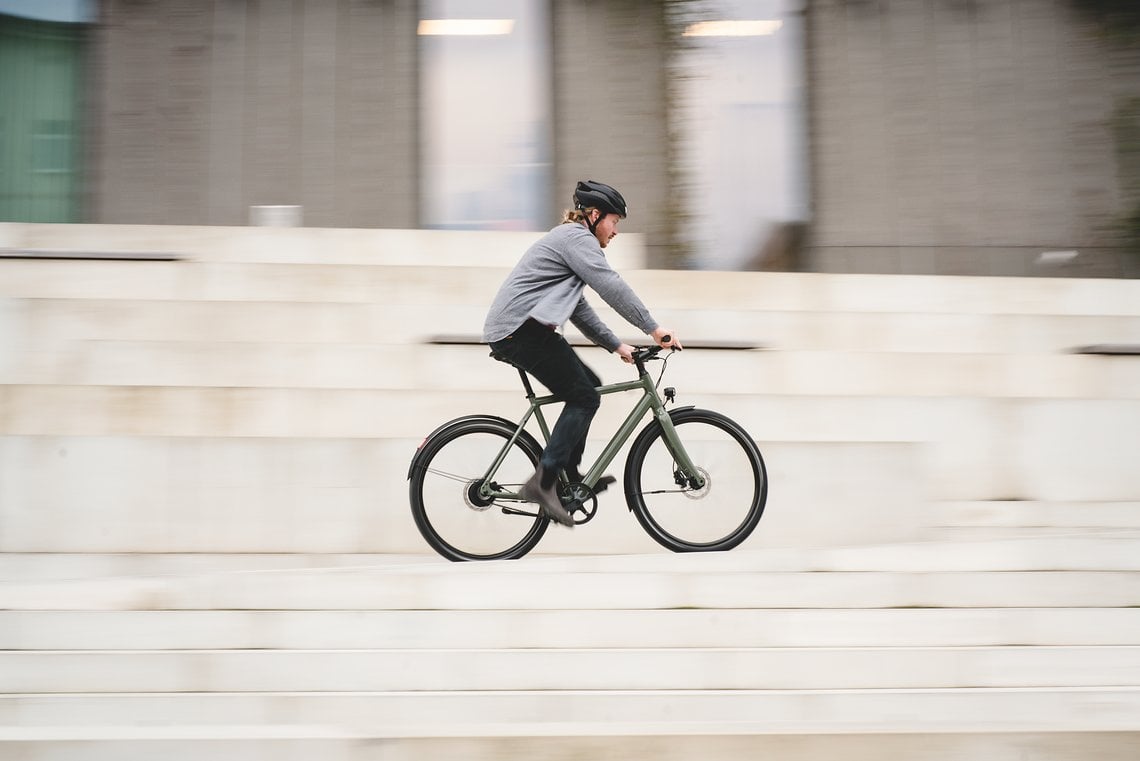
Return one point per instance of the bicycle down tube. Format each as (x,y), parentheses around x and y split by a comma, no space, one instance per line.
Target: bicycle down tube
(648,401)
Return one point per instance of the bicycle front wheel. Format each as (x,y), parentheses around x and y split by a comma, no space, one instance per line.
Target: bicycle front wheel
(451,513)
(719,515)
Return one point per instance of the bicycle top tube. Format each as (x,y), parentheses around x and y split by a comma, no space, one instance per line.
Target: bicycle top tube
(610,388)
(641,354)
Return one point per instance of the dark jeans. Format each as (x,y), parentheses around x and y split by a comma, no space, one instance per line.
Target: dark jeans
(544,353)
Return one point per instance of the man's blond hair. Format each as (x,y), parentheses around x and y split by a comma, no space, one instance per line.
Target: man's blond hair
(576,215)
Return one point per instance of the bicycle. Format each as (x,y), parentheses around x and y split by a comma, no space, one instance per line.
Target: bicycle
(694,479)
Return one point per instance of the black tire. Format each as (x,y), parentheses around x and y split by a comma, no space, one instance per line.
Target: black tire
(717,517)
(443,489)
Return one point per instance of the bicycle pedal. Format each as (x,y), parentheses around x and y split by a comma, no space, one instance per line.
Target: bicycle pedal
(603,484)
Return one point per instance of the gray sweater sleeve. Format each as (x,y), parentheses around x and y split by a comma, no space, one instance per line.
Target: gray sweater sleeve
(590,264)
(592,327)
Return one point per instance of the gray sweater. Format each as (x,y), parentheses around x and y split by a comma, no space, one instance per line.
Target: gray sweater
(548,283)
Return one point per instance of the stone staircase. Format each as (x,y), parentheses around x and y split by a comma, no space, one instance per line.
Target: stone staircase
(205,546)
(245,390)
(1025,648)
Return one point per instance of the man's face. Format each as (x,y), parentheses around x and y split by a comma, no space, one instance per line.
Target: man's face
(606,228)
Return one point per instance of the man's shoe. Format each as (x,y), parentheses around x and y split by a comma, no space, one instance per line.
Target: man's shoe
(547,499)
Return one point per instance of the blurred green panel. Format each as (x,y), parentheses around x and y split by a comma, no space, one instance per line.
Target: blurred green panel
(40,120)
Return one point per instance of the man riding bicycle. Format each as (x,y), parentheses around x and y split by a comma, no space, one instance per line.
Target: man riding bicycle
(542,292)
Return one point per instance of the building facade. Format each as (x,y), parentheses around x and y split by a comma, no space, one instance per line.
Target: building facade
(927,136)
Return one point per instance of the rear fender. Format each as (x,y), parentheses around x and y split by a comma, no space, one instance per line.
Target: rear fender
(449,425)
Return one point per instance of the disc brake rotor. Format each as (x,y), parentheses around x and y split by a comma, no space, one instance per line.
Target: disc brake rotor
(701,492)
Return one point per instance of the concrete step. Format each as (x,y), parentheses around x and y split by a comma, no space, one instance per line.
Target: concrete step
(280,495)
(996,520)
(688,668)
(608,714)
(973,449)
(411,284)
(984,533)
(564,629)
(300,245)
(467,368)
(1067,553)
(46,322)
(327,412)
(258,742)
(60,566)
(209,281)
(1054,515)
(52,323)
(486,588)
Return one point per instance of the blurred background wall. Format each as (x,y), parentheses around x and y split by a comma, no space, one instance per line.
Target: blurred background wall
(970,136)
(895,136)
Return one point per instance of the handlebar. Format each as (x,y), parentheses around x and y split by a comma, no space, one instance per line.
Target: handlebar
(645,353)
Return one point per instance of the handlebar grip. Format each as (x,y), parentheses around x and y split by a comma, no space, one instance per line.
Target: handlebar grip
(665,339)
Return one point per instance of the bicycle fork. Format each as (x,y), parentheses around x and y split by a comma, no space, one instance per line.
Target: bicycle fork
(686,473)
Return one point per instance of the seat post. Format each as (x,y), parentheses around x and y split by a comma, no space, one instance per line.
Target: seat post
(526,383)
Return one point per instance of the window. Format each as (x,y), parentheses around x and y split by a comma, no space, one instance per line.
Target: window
(40,72)
(743,146)
(51,147)
(485,85)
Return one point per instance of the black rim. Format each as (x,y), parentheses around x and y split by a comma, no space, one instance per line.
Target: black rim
(756,509)
(433,537)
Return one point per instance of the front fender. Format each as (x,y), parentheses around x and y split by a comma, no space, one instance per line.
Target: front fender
(673,412)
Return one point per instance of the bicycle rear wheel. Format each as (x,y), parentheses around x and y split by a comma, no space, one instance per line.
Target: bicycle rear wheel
(448,509)
(724,511)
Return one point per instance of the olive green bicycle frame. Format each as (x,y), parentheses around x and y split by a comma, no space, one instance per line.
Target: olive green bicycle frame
(649,401)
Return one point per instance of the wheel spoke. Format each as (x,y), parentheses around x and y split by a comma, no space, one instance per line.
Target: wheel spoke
(719,515)
(451,476)
(460,520)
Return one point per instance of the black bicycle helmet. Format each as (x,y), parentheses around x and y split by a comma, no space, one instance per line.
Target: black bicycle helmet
(600,196)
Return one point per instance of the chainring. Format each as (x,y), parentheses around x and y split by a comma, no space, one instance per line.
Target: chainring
(580,501)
